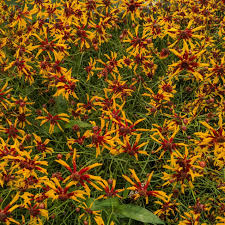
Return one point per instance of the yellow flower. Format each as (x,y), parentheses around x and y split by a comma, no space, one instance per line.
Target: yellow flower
(81,176)
(100,221)
(183,170)
(141,189)
(4,92)
(53,120)
(62,193)
(5,217)
(189,61)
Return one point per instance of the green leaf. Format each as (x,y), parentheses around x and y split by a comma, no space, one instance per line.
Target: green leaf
(61,104)
(138,213)
(79,123)
(103,204)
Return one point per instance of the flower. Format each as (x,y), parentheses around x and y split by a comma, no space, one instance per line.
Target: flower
(183,170)
(141,189)
(5,216)
(109,189)
(188,62)
(80,176)
(53,120)
(4,93)
(62,193)
(132,149)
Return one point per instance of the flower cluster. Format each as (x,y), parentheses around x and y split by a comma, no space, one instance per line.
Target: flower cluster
(112,99)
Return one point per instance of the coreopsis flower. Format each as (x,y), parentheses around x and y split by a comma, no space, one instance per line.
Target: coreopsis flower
(88,213)
(145,62)
(161,97)
(22,49)
(169,208)
(51,11)
(165,52)
(184,170)
(36,211)
(28,165)
(200,207)
(127,127)
(81,176)
(127,62)
(131,149)
(88,106)
(21,119)
(111,110)
(53,120)
(63,193)
(177,119)
(99,33)
(110,66)
(220,220)
(167,88)
(4,93)
(186,35)
(119,88)
(5,213)
(99,221)
(22,17)
(67,86)
(68,14)
(138,43)
(41,146)
(49,47)
(7,177)
(212,141)
(28,182)
(90,68)
(7,149)
(83,36)
(80,138)
(167,144)
(22,66)
(141,189)
(113,60)
(154,27)
(212,138)
(21,103)
(132,8)
(190,218)
(12,132)
(3,42)
(165,129)
(189,62)
(101,137)
(217,70)
(109,189)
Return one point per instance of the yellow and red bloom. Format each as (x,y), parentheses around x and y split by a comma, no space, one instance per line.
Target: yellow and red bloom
(63,193)
(80,176)
(53,120)
(184,170)
(188,62)
(109,189)
(4,93)
(41,146)
(141,189)
(132,149)
(5,216)
(101,137)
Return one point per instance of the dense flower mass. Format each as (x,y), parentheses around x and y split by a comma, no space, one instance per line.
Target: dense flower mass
(107,106)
